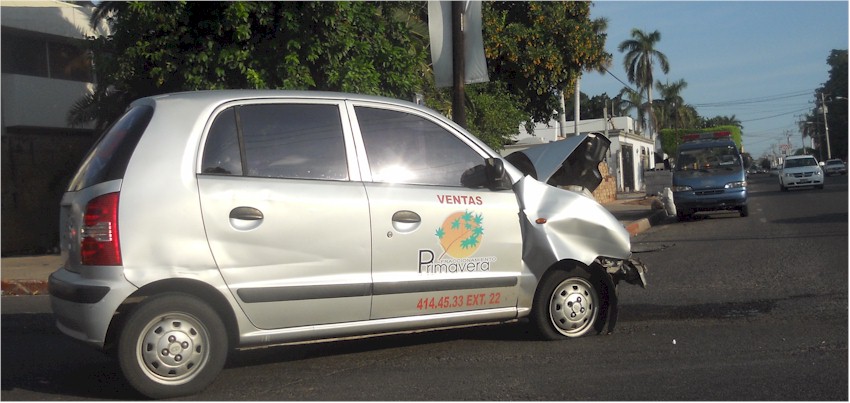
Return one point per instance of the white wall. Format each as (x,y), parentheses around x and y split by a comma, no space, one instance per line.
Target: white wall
(39,101)
(50,17)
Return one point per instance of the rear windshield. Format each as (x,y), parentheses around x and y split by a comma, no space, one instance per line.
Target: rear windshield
(723,157)
(108,159)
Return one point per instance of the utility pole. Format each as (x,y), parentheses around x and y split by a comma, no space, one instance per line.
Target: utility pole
(577,106)
(458,93)
(825,126)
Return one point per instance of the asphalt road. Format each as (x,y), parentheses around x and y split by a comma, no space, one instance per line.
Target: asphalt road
(737,309)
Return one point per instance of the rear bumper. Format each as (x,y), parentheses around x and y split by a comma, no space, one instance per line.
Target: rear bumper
(83,307)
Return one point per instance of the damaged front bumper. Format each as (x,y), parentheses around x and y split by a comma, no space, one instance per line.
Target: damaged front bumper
(632,271)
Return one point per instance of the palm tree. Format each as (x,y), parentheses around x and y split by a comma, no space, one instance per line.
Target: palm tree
(628,100)
(673,111)
(640,54)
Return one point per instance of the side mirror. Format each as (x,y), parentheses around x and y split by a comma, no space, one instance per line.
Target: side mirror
(497,178)
(491,174)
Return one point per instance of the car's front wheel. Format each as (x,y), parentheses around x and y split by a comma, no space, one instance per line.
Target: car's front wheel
(567,304)
(172,345)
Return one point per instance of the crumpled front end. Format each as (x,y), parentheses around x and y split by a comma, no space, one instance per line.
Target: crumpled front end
(561,225)
(566,227)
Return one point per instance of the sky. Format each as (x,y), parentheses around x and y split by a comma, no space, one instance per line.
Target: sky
(760,61)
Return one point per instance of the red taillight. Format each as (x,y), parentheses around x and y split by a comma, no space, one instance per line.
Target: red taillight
(99,235)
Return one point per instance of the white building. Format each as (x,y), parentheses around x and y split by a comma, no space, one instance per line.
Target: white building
(631,152)
(46,68)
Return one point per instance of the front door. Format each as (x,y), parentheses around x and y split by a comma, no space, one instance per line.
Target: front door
(438,247)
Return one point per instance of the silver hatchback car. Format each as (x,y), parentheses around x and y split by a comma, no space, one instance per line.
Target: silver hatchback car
(206,221)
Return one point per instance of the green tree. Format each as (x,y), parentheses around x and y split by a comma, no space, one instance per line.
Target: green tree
(537,49)
(834,92)
(160,47)
(640,52)
(493,115)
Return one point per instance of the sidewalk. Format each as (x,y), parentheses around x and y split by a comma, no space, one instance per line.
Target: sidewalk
(27,275)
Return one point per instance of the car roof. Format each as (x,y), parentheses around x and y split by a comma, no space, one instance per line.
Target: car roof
(214,96)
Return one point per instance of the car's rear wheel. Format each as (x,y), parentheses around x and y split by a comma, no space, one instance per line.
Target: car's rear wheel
(567,304)
(172,345)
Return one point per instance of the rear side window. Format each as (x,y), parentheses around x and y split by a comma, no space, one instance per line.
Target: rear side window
(109,157)
(221,153)
(295,141)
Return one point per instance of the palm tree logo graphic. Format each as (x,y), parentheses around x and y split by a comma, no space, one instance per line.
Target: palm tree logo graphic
(461,234)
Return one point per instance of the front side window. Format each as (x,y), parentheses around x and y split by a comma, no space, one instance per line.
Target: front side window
(291,141)
(405,148)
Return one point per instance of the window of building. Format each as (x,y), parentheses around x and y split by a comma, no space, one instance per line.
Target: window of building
(41,56)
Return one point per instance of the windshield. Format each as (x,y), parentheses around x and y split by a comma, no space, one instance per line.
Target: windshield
(723,157)
(800,162)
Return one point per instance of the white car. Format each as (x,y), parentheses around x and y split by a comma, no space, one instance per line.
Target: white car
(206,220)
(835,167)
(800,171)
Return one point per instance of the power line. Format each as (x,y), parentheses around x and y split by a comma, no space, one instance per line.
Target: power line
(769,98)
(621,81)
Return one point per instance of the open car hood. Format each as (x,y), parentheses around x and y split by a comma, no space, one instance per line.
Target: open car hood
(570,162)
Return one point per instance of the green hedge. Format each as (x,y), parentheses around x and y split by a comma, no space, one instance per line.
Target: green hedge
(671,138)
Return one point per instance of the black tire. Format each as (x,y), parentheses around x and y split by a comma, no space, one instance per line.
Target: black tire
(172,345)
(567,304)
(683,215)
(744,210)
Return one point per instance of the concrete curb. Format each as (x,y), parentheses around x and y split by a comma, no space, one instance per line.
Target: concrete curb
(24,287)
(636,227)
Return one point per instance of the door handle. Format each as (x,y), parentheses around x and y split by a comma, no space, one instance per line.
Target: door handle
(246,213)
(406,217)
(406,221)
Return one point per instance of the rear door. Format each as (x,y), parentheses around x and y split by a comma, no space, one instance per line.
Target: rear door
(287,221)
(438,247)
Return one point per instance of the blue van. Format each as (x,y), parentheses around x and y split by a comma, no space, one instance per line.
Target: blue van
(709,175)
